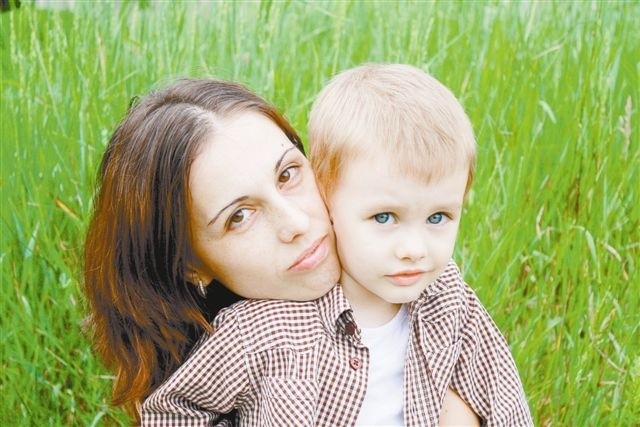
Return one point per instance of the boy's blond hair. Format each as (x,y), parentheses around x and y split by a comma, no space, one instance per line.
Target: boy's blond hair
(394,110)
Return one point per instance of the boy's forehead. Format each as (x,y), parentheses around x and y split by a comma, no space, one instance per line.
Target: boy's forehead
(370,183)
(423,169)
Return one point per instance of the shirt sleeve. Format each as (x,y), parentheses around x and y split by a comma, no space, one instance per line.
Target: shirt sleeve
(209,383)
(485,375)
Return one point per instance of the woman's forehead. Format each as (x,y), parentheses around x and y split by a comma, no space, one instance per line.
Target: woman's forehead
(239,158)
(245,132)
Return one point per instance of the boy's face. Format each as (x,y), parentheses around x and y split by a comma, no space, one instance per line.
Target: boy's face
(395,235)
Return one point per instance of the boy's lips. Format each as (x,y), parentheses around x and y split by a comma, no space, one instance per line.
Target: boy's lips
(405,278)
(312,256)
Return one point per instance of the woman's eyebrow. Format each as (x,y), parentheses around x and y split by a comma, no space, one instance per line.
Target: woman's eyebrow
(279,162)
(233,202)
(241,198)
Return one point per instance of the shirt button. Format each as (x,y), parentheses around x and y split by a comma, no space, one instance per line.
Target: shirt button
(355,363)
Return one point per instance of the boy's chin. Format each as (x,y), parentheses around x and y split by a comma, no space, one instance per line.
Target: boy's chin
(407,297)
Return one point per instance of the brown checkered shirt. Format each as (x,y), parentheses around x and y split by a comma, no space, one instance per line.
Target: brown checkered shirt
(290,363)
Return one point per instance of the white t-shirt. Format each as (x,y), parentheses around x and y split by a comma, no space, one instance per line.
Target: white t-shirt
(387,344)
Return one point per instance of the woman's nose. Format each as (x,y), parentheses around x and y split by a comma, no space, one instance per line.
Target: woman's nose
(292,221)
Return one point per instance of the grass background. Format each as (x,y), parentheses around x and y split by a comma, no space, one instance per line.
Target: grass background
(550,238)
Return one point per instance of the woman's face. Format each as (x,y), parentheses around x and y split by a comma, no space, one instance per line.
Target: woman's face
(259,224)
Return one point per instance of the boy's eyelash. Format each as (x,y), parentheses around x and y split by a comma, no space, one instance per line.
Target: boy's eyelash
(448,215)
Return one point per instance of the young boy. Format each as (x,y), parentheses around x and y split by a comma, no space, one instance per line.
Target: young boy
(394,156)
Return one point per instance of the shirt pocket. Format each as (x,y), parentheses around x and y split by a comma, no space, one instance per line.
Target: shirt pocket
(442,363)
(440,330)
(288,401)
(441,344)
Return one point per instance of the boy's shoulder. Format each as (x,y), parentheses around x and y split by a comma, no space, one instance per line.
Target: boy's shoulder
(267,324)
(449,284)
(449,292)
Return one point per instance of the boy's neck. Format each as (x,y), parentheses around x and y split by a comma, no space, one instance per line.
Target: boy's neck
(369,310)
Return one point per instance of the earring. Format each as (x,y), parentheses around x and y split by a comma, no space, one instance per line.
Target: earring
(202,289)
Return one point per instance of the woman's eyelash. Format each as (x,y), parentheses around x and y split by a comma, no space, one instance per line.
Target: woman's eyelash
(246,214)
(292,170)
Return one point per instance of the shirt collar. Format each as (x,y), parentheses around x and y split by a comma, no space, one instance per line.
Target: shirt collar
(332,306)
(449,278)
(336,313)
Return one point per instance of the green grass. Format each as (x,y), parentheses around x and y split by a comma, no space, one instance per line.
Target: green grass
(550,239)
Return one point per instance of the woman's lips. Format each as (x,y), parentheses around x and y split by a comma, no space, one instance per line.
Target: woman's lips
(312,256)
(405,278)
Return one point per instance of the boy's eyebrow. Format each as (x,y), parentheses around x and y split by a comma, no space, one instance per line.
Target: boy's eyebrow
(452,206)
(233,202)
(241,198)
(448,207)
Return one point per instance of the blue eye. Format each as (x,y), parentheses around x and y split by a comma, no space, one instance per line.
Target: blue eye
(383,218)
(436,218)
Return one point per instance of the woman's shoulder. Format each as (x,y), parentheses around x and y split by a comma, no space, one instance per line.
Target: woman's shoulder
(266,310)
(265,324)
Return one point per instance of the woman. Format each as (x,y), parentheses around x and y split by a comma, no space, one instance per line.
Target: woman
(202,183)
(155,241)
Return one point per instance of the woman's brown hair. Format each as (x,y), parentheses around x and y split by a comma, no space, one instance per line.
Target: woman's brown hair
(145,315)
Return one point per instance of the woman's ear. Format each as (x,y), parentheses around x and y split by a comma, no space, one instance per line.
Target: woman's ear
(195,273)
(196,278)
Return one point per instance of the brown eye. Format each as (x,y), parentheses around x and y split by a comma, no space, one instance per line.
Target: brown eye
(285,176)
(289,175)
(237,217)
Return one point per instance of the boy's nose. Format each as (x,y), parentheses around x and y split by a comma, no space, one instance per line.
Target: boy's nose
(412,248)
